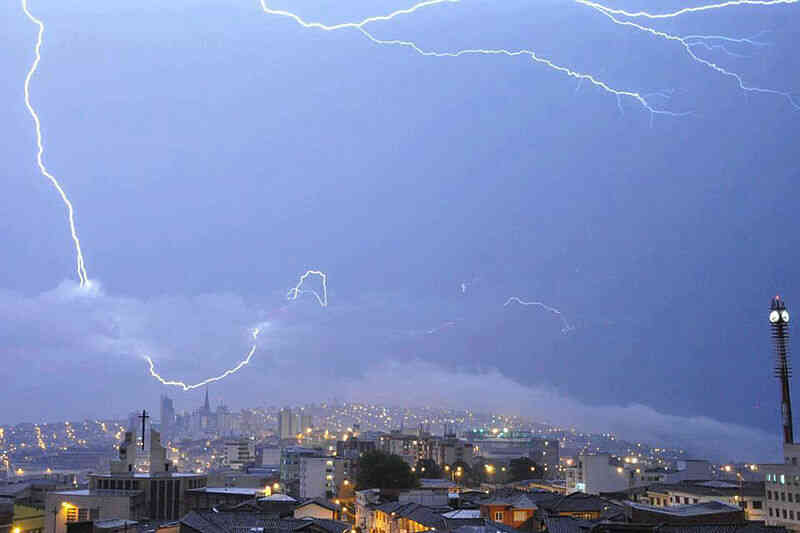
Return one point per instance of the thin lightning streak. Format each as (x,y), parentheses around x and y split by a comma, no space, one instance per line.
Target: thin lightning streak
(685,10)
(567,327)
(83,278)
(296,291)
(534,57)
(705,41)
(739,40)
(710,64)
(448,324)
(713,47)
(225,374)
(326,27)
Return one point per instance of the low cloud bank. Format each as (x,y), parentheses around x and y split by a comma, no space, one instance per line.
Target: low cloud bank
(304,354)
(424,383)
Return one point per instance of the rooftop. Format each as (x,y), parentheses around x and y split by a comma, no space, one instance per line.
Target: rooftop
(697,509)
(243,491)
(712,488)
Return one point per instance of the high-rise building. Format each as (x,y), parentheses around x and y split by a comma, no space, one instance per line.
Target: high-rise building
(287,424)
(239,453)
(167,416)
(306,423)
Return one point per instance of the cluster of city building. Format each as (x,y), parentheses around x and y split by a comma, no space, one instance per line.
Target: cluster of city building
(298,469)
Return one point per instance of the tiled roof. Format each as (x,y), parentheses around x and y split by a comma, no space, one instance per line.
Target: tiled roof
(565,524)
(578,502)
(321,502)
(230,522)
(331,526)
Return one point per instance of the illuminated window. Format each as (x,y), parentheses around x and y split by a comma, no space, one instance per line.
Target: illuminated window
(520,516)
(71,514)
(498,516)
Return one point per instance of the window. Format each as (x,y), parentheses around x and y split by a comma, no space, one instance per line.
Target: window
(757,504)
(789,496)
(72,514)
(791,515)
(784,512)
(769,494)
(770,511)
(498,516)
(686,500)
(743,504)
(520,516)
(695,500)
(783,496)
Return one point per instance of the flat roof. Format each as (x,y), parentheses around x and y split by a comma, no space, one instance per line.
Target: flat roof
(697,509)
(245,491)
(113,523)
(145,475)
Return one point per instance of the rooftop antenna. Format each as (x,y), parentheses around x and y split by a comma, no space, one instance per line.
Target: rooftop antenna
(779,323)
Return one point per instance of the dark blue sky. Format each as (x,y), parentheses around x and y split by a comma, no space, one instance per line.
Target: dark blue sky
(214,153)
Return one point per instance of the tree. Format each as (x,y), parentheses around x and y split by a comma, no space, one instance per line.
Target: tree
(380,470)
(428,468)
(524,468)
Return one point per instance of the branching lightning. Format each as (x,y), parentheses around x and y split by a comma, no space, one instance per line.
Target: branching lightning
(718,42)
(581,76)
(296,291)
(566,326)
(617,16)
(535,58)
(225,374)
(689,42)
(686,10)
(83,278)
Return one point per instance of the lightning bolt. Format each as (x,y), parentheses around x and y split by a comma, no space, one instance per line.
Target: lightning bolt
(582,76)
(686,10)
(566,325)
(686,42)
(334,27)
(225,374)
(296,291)
(472,51)
(81,267)
(83,278)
